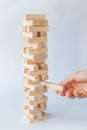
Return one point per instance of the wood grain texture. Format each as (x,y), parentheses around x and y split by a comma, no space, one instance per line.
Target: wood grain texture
(44,116)
(35,22)
(34,16)
(54,86)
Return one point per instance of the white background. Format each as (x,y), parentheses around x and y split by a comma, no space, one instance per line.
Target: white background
(67,53)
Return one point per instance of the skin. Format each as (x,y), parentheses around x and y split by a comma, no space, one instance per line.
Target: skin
(75,85)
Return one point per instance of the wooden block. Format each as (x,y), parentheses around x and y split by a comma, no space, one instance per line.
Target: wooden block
(44,77)
(43,66)
(35,116)
(30,35)
(34,57)
(25,89)
(38,45)
(33,107)
(33,78)
(42,34)
(35,22)
(35,98)
(37,51)
(28,61)
(32,67)
(34,17)
(30,102)
(54,86)
(35,93)
(33,51)
(35,87)
(25,107)
(30,111)
(44,116)
(35,40)
(34,34)
(35,73)
(29,29)
(43,105)
(29,107)
(27,81)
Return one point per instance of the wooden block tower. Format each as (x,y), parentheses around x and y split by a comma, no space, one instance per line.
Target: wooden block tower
(34,30)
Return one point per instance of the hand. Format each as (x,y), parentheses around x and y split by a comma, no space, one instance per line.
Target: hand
(75,85)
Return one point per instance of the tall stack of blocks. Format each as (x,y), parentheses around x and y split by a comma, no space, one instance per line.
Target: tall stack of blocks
(34,30)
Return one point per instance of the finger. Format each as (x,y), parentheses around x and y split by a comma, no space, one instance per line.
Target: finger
(82,94)
(69,93)
(61,93)
(79,95)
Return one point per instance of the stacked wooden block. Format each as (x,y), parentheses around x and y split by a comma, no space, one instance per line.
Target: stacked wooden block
(34,29)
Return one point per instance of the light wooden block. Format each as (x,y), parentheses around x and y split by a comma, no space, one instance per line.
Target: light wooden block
(35,87)
(33,78)
(38,45)
(42,34)
(34,17)
(35,93)
(29,61)
(25,107)
(30,111)
(36,51)
(34,34)
(32,102)
(32,51)
(33,107)
(32,67)
(44,116)
(35,116)
(25,89)
(35,73)
(35,98)
(35,22)
(30,107)
(30,35)
(43,66)
(54,86)
(43,105)
(29,29)
(27,81)
(35,40)
(44,77)
(34,57)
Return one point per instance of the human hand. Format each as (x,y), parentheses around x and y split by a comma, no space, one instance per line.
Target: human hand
(75,85)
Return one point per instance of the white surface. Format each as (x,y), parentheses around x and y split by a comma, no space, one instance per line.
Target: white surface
(67,53)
